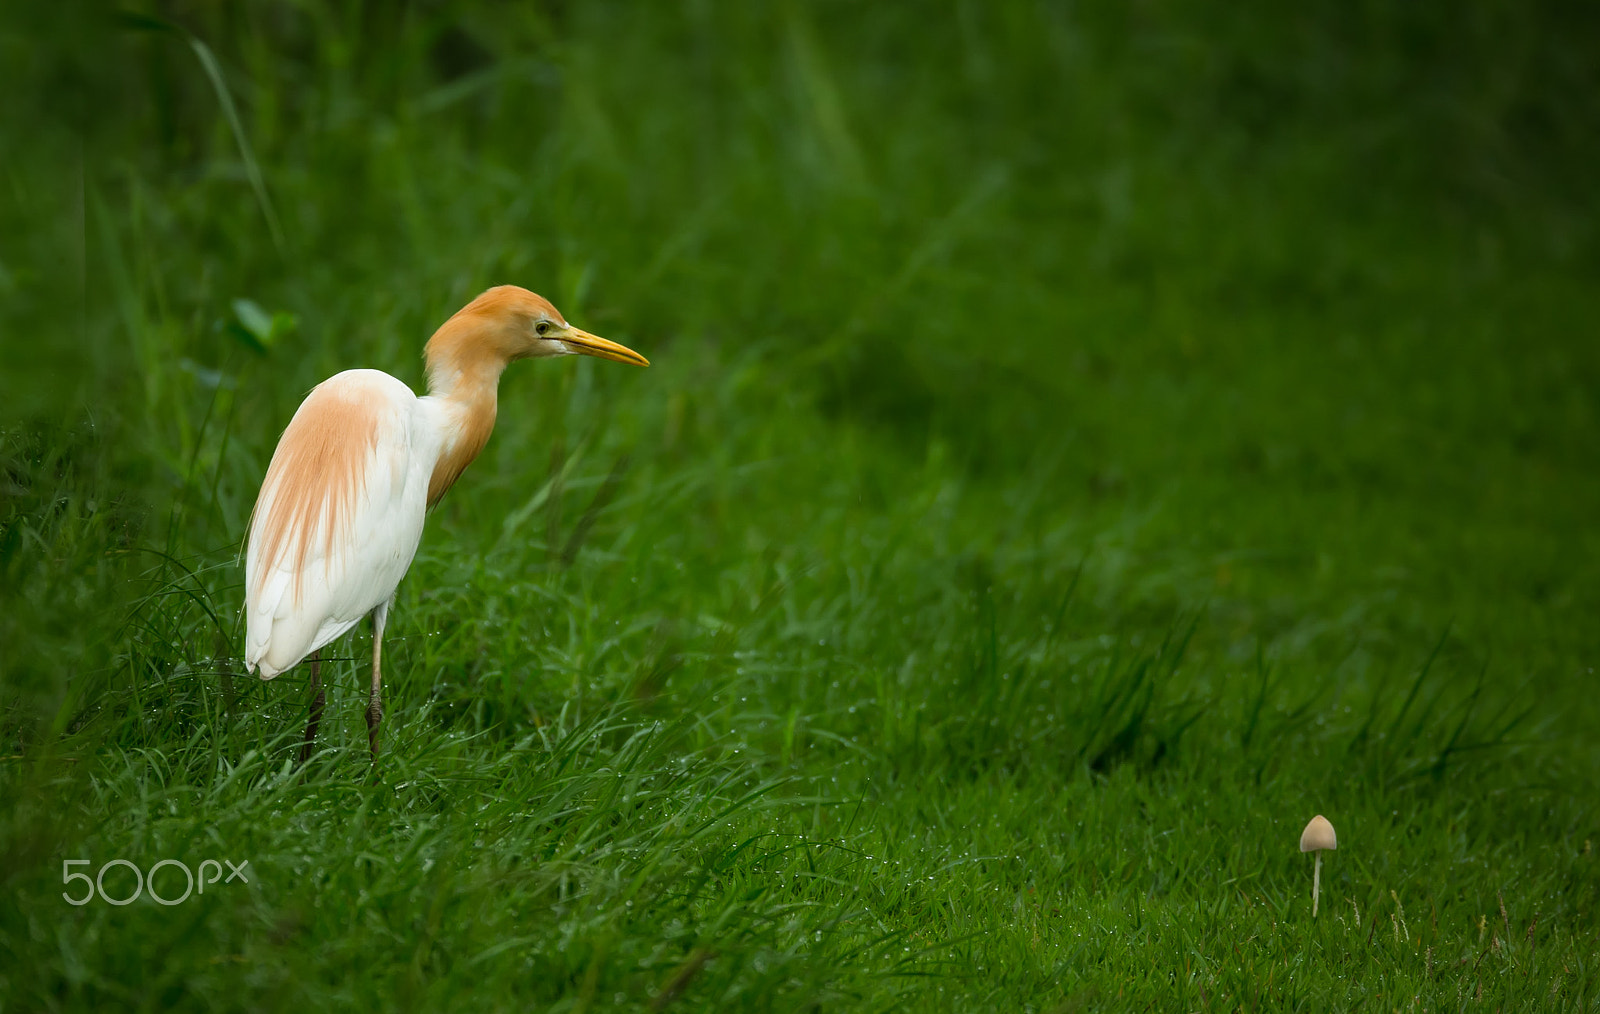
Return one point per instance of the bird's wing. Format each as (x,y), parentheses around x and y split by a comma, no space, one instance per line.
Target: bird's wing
(338,518)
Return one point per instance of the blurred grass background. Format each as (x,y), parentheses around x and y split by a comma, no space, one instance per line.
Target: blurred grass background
(1069,426)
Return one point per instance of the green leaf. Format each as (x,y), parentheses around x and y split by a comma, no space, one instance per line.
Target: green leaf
(256,321)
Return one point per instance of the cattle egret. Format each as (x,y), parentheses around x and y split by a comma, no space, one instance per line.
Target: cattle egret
(340,511)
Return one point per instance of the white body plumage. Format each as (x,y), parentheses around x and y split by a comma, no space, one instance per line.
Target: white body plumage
(339,548)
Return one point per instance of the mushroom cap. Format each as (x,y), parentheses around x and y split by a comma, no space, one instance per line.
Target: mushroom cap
(1318,835)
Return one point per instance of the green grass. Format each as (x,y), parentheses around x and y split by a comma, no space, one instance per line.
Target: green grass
(1081,444)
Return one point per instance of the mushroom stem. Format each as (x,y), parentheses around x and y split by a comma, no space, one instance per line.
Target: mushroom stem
(1316,884)
(1317,836)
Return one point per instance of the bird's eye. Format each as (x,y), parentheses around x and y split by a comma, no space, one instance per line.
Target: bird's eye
(542,328)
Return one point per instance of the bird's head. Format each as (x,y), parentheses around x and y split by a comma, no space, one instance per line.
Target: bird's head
(508,322)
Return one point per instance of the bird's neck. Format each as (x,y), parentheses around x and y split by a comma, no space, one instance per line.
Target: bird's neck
(463,379)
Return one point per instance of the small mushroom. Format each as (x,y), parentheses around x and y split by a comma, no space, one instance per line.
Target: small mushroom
(1317,836)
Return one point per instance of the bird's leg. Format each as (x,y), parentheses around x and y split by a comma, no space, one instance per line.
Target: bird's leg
(316,706)
(380,616)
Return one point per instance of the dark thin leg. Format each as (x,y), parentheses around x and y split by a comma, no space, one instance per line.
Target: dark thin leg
(316,706)
(380,616)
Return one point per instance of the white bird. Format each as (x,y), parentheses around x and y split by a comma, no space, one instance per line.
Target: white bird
(341,508)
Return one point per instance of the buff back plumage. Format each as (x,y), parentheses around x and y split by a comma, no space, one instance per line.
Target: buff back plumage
(339,515)
(312,482)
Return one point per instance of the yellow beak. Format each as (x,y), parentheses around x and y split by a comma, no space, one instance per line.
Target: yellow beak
(594,345)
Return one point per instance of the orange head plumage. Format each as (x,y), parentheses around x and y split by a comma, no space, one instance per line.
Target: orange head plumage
(503,324)
(470,350)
